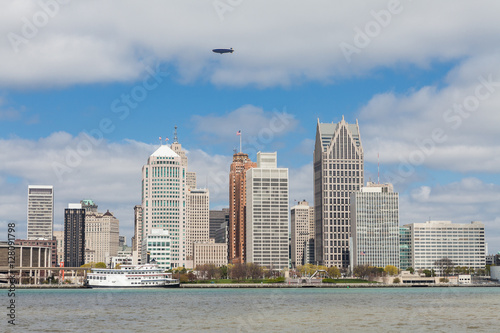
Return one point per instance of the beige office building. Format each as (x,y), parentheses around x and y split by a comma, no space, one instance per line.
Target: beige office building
(40,211)
(137,238)
(101,236)
(59,237)
(338,172)
(434,243)
(197,219)
(209,253)
(267,213)
(302,224)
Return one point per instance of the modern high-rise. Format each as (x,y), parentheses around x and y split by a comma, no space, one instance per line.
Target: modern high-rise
(237,205)
(375,226)
(101,235)
(439,244)
(267,213)
(404,248)
(302,225)
(164,200)
(197,219)
(40,211)
(137,239)
(74,235)
(156,245)
(338,172)
(177,148)
(218,219)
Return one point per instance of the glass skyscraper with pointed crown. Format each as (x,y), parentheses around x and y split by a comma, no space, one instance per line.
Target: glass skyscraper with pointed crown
(338,172)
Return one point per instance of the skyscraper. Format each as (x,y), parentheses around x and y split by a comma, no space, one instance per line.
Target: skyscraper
(197,219)
(338,172)
(164,200)
(101,235)
(302,230)
(375,226)
(267,213)
(237,203)
(40,211)
(74,235)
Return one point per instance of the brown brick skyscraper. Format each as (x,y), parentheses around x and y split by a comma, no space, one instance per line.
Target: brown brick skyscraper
(237,203)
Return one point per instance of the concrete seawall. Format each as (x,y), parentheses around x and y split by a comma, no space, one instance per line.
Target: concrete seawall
(327,285)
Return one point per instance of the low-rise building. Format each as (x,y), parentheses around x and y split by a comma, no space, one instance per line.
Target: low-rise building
(209,253)
(157,246)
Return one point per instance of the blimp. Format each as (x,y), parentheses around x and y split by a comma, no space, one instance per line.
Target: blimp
(222,51)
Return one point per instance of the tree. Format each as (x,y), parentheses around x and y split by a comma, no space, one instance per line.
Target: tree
(100,265)
(254,270)
(223,270)
(411,270)
(396,280)
(238,272)
(391,270)
(333,272)
(444,265)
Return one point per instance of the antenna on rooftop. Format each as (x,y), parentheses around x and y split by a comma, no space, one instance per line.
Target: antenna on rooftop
(235,151)
(175,134)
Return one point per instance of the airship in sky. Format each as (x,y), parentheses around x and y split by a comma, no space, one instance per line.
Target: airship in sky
(221,51)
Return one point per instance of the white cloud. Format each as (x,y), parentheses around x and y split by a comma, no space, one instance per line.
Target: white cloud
(276,43)
(451,128)
(469,199)
(259,128)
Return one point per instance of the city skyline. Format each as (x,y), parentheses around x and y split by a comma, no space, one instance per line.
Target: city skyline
(426,110)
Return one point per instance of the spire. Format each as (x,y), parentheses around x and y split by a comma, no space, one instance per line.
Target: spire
(175,134)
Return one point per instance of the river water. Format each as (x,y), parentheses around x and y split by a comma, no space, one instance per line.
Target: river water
(257,310)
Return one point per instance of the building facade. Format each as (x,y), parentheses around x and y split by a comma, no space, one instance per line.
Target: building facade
(101,235)
(217,220)
(209,253)
(137,238)
(375,226)
(267,213)
(302,229)
(164,200)
(404,248)
(157,244)
(197,218)
(237,206)
(338,172)
(40,211)
(439,244)
(59,238)
(34,243)
(74,235)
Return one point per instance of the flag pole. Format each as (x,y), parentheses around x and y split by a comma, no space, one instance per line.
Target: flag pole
(240,143)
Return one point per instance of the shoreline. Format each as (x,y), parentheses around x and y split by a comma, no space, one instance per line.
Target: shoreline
(270,285)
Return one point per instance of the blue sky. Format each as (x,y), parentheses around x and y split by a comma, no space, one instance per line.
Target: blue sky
(422,83)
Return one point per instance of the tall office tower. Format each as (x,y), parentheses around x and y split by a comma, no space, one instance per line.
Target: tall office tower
(177,148)
(267,213)
(237,205)
(440,244)
(197,221)
(59,238)
(302,224)
(164,200)
(40,211)
(74,235)
(375,226)
(101,235)
(404,248)
(216,219)
(137,239)
(338,172)
(89,206)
